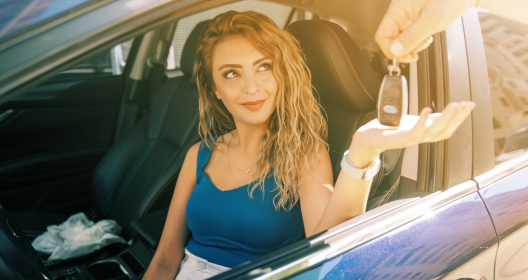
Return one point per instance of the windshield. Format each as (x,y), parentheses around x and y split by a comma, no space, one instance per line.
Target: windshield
(19,15)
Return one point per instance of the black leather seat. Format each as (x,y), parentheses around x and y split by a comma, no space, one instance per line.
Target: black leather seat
(348,89)
(138,174)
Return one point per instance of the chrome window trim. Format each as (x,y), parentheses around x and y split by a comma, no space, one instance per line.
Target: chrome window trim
(364,228)
(502,170)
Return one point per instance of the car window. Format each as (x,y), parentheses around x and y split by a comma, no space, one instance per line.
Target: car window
(279,13)
(506,47)
(20,15)
(106,63)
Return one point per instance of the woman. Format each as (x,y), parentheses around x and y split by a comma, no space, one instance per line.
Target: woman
(261,177)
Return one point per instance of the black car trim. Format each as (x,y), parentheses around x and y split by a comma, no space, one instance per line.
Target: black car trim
(459,152)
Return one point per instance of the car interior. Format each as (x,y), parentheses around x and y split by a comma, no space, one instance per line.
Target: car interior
(111,142)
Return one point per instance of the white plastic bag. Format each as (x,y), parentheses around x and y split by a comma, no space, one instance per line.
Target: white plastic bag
(77,236)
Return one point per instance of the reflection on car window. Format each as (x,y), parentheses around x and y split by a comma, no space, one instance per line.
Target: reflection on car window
(506,46)
(277,12)
(18,15)
(108,62)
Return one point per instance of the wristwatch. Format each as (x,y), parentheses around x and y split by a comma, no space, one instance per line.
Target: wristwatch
(360,173)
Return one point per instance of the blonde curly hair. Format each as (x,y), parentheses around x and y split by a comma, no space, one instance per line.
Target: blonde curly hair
(297,129)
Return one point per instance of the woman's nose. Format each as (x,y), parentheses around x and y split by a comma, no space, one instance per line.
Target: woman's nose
(252,85)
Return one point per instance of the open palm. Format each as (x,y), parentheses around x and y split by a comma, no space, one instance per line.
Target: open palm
(413,129)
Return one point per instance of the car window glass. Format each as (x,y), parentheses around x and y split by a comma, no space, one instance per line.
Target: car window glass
(279,13)
(106,63)
(19,15)
(506,47)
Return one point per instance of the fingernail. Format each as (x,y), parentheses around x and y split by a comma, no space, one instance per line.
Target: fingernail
(396,48)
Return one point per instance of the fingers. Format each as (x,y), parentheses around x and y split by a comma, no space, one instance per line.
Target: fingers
(416,133)
(423,45)
(386,33)
(403,30)
(413,55)
(464,109)
(408,24)
(415,38)
(437,130)
(448,122)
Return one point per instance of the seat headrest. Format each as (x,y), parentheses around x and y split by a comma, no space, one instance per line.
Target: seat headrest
(340,73)
(191,46)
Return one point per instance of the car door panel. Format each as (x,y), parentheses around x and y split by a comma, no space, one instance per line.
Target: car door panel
(438,245)
(506,199)
(53,133)
(445,235)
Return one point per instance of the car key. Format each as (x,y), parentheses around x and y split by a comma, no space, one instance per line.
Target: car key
(393,97)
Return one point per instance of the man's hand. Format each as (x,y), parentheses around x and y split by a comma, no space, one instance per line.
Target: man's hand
(408,25)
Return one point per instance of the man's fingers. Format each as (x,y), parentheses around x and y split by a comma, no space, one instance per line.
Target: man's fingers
(386,33)
(423,45)
(412,37)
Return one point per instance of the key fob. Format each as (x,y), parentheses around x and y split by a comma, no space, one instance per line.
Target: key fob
(392,100)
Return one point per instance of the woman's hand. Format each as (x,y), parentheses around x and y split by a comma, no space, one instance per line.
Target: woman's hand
(373,138)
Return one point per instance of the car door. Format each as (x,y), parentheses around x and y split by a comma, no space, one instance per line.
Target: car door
(53,134)
(447,234)
(502,50)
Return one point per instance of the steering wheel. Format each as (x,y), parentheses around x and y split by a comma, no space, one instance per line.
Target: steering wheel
(18,259)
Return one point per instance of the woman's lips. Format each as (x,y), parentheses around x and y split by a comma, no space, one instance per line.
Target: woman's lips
(254,105)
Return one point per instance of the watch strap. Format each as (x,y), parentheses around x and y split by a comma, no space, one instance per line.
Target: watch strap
(360,173)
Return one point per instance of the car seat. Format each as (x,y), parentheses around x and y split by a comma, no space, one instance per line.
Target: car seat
(348,89)
(137,175)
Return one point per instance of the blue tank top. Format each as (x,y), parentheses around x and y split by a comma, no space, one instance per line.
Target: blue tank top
(230,228)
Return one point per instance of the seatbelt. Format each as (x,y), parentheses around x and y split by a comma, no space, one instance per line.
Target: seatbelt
(158,64)
(156,78)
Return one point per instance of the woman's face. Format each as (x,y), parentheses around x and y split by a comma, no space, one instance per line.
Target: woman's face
(244,80)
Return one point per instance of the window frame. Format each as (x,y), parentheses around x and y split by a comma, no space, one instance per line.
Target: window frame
(449,174)
(482,118)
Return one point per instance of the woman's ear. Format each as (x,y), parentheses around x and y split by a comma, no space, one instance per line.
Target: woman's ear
(216,92)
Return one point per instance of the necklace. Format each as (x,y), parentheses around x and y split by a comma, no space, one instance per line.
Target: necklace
(233,177)
(229,158)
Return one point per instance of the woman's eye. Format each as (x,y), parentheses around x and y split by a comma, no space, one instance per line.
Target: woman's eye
(265,66)
(230,74)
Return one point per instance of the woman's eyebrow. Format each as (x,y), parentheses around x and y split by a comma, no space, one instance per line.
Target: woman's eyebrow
(259,60)
(240,66)
(230,66)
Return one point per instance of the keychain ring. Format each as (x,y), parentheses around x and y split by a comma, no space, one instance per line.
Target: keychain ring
(394,69)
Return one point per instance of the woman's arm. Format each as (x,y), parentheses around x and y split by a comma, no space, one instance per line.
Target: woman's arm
(323,207)
(170,251)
